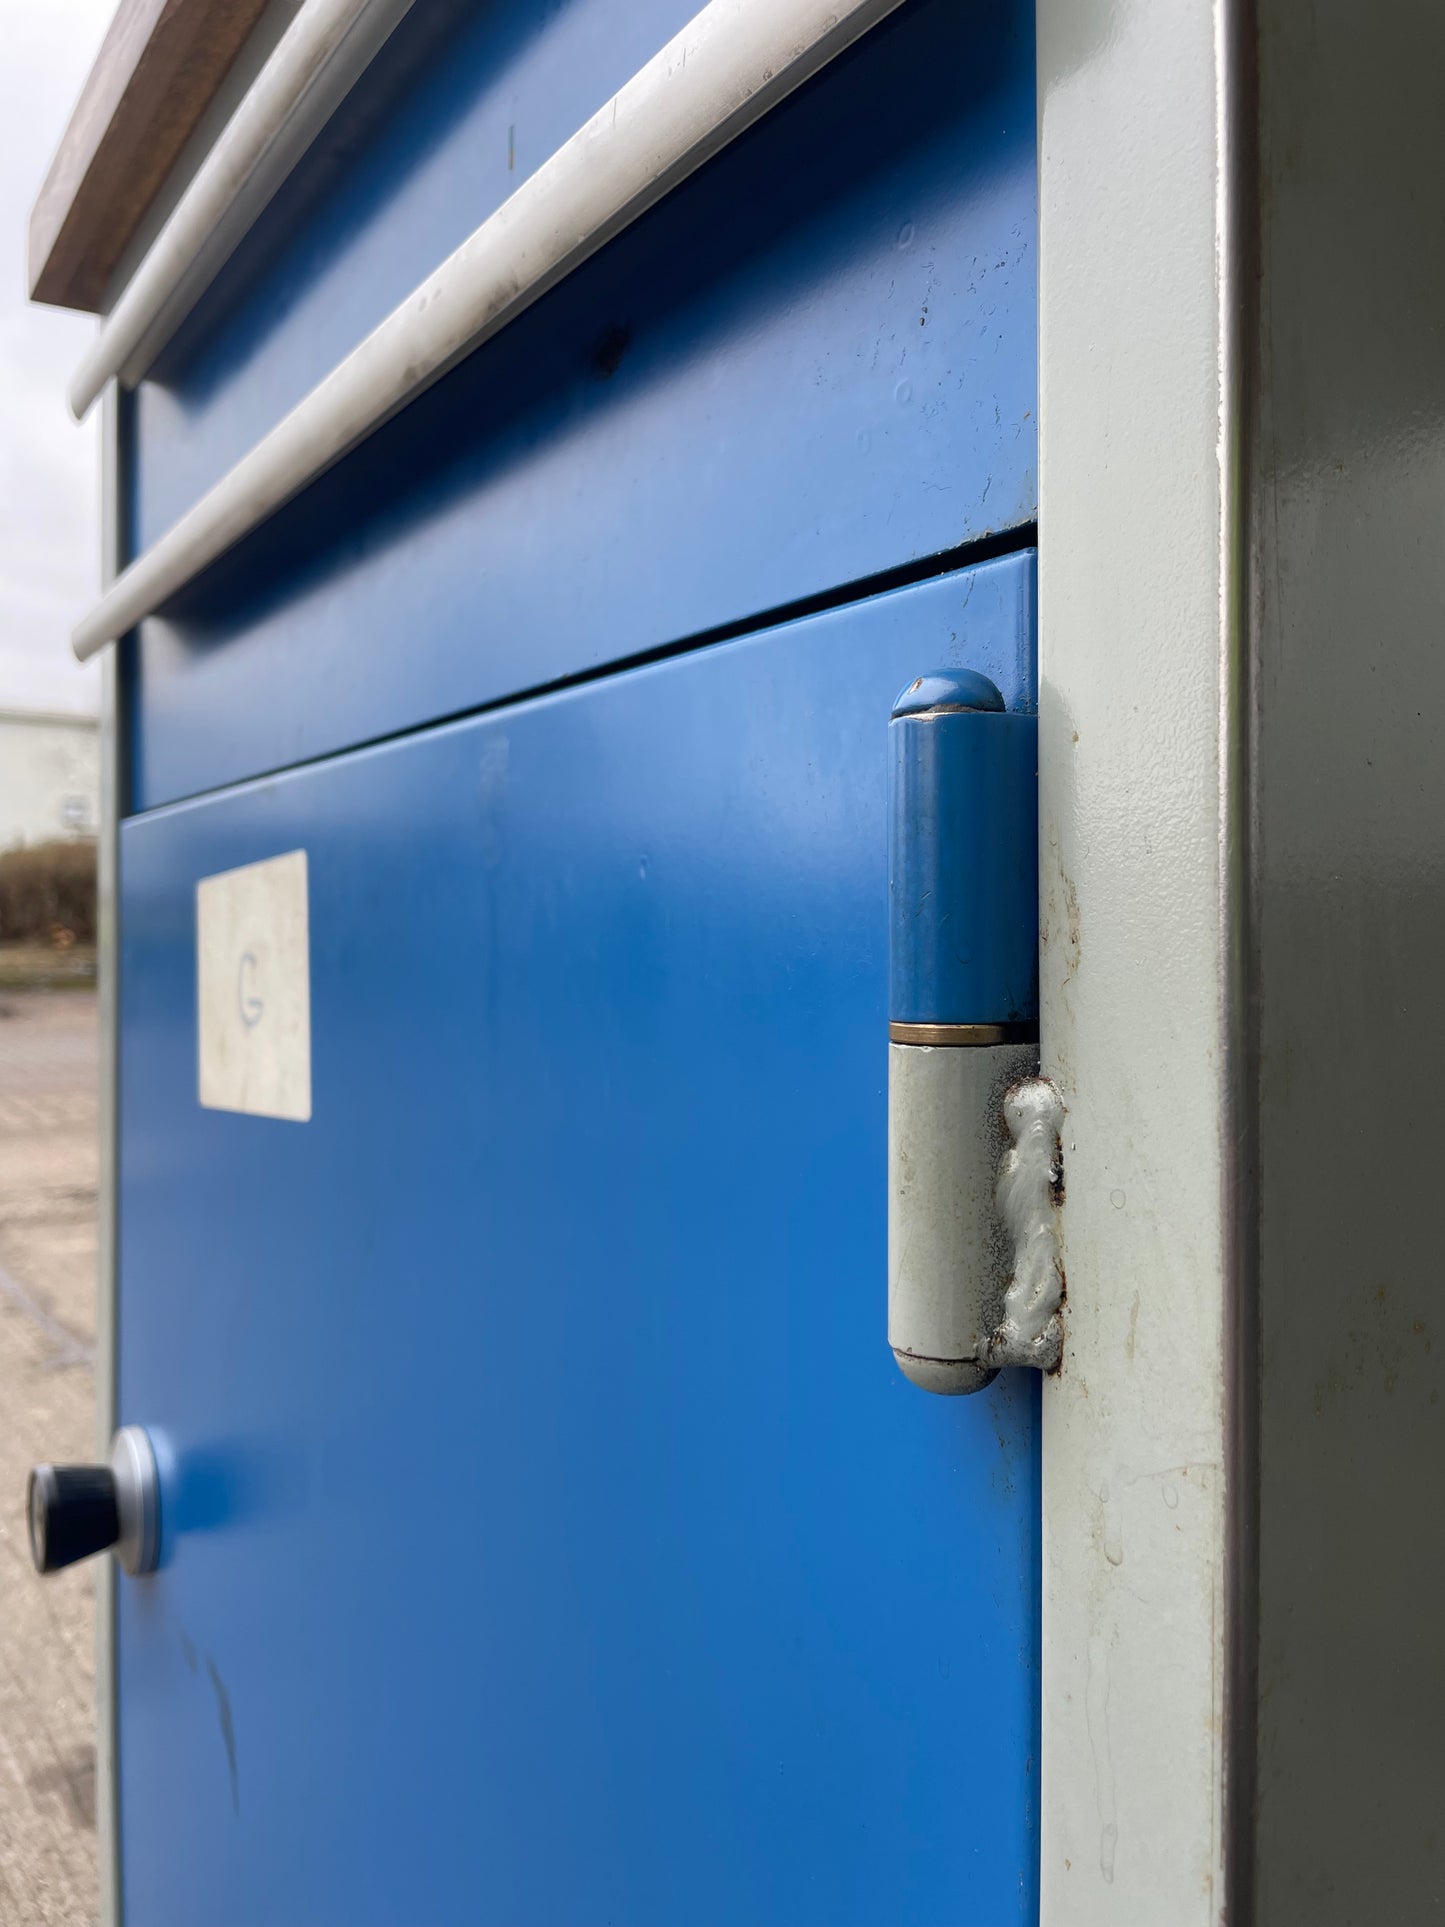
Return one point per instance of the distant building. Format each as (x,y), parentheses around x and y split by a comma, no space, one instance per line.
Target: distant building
(49,776)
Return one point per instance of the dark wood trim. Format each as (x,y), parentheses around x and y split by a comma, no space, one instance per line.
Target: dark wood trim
(157,71)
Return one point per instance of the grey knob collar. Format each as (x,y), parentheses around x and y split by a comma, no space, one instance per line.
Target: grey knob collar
(137,1499)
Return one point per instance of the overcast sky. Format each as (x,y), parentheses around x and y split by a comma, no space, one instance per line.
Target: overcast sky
(49,491)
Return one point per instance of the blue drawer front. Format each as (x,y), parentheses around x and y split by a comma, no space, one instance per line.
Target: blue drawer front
(463,103)
(814,364)
(550,1536)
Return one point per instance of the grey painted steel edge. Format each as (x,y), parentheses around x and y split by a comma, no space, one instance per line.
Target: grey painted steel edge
(112,547)
(732,63)
(1345,474)
(320,57)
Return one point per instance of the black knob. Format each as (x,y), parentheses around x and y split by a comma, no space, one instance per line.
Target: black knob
(73,1513)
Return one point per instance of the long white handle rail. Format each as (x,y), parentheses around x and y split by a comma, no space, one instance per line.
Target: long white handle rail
(728,67)
(314,65)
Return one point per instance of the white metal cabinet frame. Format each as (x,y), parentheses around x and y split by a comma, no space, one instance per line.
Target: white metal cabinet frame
(1242,595)
(1142,108)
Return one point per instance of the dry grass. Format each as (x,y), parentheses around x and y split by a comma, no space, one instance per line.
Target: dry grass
(33,966)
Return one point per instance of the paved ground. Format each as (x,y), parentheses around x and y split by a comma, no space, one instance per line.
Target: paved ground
(47,1330)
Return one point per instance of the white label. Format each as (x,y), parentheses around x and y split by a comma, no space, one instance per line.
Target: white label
(253,980)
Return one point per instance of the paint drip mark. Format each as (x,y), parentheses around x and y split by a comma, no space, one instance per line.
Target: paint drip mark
(228,1731)
(1096,1715)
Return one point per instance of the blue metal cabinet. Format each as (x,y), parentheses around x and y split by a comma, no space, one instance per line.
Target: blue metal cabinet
(548,1535)
(812,365)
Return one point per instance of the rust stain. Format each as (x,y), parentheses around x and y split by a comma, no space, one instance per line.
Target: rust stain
(1059,921)
(1071,908)
(1376,1352)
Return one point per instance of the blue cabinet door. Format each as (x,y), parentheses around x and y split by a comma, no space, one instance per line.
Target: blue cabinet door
(549,1537)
